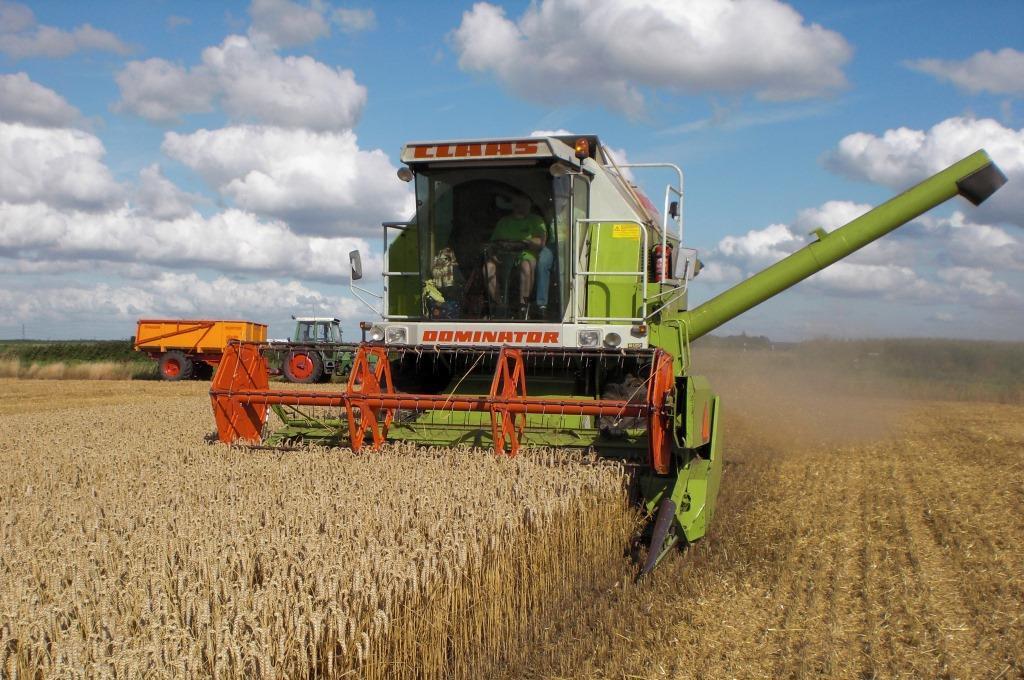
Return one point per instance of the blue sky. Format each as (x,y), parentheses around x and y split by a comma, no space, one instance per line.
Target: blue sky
(220,159)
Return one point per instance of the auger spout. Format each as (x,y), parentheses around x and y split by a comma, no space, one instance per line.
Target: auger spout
(975,178)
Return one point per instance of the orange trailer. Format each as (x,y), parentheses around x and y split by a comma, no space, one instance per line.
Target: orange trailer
(189,348)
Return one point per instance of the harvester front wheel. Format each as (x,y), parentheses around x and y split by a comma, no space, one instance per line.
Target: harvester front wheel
(174,365)
(303,367)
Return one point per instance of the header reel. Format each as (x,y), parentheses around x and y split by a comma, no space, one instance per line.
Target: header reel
(370,408)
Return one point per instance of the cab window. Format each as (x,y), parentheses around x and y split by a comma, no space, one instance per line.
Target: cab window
(481,230)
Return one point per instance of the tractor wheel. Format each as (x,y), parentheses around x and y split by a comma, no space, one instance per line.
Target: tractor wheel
(174,365)
(302,366)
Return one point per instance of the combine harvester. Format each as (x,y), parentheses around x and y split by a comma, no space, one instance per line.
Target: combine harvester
(537,298)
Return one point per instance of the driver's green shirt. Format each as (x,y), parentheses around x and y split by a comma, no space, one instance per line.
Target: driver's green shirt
(512,228)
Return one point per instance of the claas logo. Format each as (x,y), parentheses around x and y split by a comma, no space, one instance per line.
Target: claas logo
(477,150)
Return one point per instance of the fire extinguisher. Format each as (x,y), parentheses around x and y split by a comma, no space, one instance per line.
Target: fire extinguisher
(661,262)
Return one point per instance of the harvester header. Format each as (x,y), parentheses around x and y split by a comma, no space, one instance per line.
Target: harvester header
(538,298)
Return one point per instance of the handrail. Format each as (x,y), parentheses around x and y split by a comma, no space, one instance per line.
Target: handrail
(669,189)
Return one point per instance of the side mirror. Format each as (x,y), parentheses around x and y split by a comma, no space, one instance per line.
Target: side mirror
(673,209)
(356,262)
(686,265)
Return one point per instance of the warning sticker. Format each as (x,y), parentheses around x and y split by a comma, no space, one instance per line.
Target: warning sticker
(626,231)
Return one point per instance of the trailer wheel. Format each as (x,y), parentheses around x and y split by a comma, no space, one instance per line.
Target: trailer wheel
(302,366)
(174,365)
(202,370)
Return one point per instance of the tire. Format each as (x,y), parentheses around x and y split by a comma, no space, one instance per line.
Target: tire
(303,366)
(202,370)
(174,366)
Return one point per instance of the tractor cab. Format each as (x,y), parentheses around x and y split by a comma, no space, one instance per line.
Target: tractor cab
(316,329)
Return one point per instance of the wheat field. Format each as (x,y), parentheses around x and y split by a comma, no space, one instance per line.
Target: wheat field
(132,547)
(855,537)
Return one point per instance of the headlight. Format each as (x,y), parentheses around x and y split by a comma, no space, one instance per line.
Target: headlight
(396,335)
(376,334)
(612,340)
(590,338)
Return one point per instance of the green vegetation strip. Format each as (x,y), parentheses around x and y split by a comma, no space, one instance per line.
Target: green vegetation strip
(41,358)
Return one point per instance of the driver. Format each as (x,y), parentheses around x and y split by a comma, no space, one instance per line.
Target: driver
(522,231)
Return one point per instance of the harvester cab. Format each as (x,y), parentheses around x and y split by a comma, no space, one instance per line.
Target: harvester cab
(538,298)
(544,240)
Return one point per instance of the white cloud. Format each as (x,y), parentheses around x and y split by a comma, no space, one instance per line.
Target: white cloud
(160,91)
(15,17)
(980,245)
(887,280)
(873,275)
(604,51)
(319,182)
(880,268)
(59,166)
(168,294)
(282,23)
(252,83)
(288,91)
(158,197)
(903,156)
(21,36)
(130,270)
(891,250)
(999,72)
(352,20)
(943,261)
(760,247)
(23,101)
(560,132)
(982,285)
(829,215)
(232,240)
(876,274)
(720,272)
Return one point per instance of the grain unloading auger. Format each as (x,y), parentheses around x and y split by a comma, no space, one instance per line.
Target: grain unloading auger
(537,298)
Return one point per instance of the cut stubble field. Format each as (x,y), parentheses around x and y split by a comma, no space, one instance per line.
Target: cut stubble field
(867,536)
